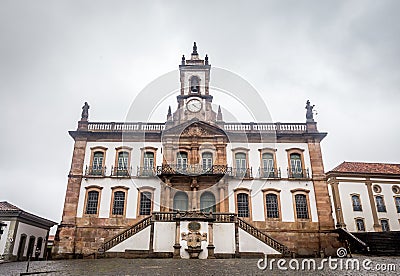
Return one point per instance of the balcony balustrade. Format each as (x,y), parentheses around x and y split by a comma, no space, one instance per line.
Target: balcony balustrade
(121,171)
(269,173)
(298,174)
(146,171)
(95,171)
(191,169)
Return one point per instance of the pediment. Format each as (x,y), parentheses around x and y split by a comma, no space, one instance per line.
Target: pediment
(195,128)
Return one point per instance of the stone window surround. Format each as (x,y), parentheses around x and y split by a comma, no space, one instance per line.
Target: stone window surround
(298,151)
(278,194)
(395,205)
(148,149)
(117,189)
(383,200)
(355,221)
(359,199)
(122,149)
(242,190)
(380,222)
(301,192)
(89,189)
(98,149)
(240,150)
(268,150)
(145,189)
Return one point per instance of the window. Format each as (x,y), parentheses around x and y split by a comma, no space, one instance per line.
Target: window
(243,205)
(181,161)
(92,202)
(380,204)
(39,246)
(377,189)
(207,161)
(296,168)
(397,201)
(118,203)
(267,165)
(145,203)
(301,206)
(147,161)
(396,189)
(356,203)
(97,167)
(385,225)
(207,202)
(240,162)
(181,201)
(360,225)
(272,206)
(194,84)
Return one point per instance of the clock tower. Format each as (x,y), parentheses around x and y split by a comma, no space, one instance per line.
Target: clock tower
(194,100)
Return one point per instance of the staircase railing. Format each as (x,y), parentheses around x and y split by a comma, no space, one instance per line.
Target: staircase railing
(125,234)
(263,237)
(343,231)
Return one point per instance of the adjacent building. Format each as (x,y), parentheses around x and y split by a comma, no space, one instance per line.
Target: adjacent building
(22,234)
(196,186)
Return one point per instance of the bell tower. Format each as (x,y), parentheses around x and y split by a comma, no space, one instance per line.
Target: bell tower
(194,100)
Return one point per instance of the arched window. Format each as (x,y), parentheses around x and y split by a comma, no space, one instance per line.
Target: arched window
(39,246)
(194,85)
(207,202)
(380,204)
(240,161)
(181,161)
(181,201)
(119,203)
(243,205)
(272,206)
(97,167)
(360,225)
(296,167)
(267,165)
(301,206)
(207,161)
(145,203)
(397,200)
(385,225)
(92,202)
(356,203)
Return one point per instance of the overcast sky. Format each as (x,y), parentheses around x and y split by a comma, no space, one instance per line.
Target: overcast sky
(55,55)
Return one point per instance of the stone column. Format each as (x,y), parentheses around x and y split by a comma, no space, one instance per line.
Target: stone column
(177,245)
(377,226)
(210,246)
(167,195)
(194,199)
(221,200)
(337,204)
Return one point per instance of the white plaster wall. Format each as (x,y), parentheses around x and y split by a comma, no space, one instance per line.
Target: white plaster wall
(139,241)
(332,204)
(348,188)
(111,153)
(164,236)
(286,197)
(184,229)
(248,243)
(3,237)
(106,193)
(224,237)
(30,230)
(281,155)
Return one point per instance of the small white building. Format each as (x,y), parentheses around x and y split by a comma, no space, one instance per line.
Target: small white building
(22,234)
(366,196)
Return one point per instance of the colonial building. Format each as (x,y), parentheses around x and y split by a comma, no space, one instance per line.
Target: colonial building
(22,234)
(196,186)
(366,196)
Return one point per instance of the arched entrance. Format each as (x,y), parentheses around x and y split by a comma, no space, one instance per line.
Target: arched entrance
(21,247)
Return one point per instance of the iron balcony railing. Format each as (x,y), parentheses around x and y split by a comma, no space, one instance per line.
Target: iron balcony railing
(269,173)
(300,174)
(241,172)
(191,169)
(95,171)
(121,171)
(146,171)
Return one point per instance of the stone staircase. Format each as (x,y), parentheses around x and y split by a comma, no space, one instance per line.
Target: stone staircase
(174,216)
(381,243)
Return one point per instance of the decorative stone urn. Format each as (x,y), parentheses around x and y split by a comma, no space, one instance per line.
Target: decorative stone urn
(194,239)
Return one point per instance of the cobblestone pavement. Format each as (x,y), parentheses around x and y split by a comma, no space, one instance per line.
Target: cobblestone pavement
(189,267)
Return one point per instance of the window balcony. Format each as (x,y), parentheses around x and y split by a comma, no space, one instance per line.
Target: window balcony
(191,169)
(269,173)
(121,171)
(95,171)
(146,171)
(298,174)
(241,172)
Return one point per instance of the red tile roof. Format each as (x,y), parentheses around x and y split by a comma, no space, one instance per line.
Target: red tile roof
(5,206)
(367,168)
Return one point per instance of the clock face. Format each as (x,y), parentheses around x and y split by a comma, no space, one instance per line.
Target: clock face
(194,105)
